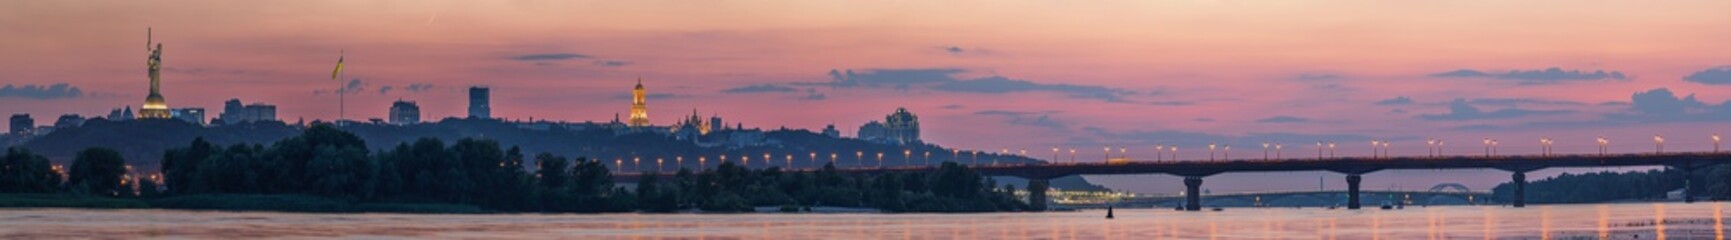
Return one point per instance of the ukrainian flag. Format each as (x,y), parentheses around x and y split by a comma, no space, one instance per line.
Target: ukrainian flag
(339,70)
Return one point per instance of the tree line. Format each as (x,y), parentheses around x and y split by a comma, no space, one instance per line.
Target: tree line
(1710,183)
(330,163)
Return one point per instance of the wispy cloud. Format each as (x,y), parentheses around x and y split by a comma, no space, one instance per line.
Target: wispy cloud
(1042,119)
(759,88)
(1397,100)
(54,91)
(943,79)
(1283,119)
(1711,76)
(1460,110)
(549,57)
(1552,75)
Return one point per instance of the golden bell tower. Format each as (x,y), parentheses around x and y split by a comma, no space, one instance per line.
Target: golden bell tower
(639,107)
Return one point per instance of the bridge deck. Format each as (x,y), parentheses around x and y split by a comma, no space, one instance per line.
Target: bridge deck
(1345,165)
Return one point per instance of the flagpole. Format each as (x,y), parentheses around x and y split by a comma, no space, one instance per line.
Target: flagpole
(342,91)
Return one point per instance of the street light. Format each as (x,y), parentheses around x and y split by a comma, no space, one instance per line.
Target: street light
(1159,150)
(1226,152)
(1277,147)
(880,159)
(1072,156)
(1603,145)
(1430,147)
(1330,149)
(1210,151)
(1374,144)
(1123,154)
(1174,152)
(1108,154)
(1264,151)
(618,165)
(1319,150)
(790,161)
(814,160)
(658,165)
(859,158)
(702,162)
(636,164)
(1546,149)
(1487,147)
(928,158)
(1054,154)
(1715,143)
(679,160)
(1658,144)
(832,158)
(955,155)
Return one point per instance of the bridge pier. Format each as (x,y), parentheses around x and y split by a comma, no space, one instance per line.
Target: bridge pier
(1520,189)
(1352,181)
(1037,193)
(1192,193)
(1688,183)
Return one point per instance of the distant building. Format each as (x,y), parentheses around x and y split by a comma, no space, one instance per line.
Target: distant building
(480,107)
(831,131)
(235,113)
(190,115)
(69,121)
(872,131)
(120,115)
(22,123)
(639,106)
(405,113)
(900,128)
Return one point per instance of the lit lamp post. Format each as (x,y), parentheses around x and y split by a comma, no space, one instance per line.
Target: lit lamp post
(1264,151)
(976,157)
(658,165)
(1159,150)
(702,162)
(832,158)
(1487,147)
(1545,151)
(1603,145)
(1330,149)
(679,161)
(859,158)
(618,165)
(790,161)
(1277,147)
(1494,144)
(956,155)
(1374,146)
(1429,147)
(745,160)
(1210,152)
(1715,143)
(814,160)
(767,160)
(1385,149)
(1174,149)
(1658,144)
(1123,153)
(880,159)
(928,157)
(1226,152)
(1318,150)
(1054,154)
(636,164)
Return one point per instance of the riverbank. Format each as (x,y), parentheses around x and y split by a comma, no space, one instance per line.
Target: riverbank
(300,204)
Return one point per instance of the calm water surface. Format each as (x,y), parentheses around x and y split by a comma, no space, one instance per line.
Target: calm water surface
(1608,221)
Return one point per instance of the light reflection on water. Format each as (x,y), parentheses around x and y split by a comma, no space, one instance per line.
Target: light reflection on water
(1609,221)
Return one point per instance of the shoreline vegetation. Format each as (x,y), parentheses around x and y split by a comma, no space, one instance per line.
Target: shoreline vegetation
(327,170)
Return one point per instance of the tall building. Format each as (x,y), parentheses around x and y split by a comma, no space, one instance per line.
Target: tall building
(901,128)
(69,121)
(639,106)
(190,115)
(235,113)
(120,114)
(479,105)
(22,123)
(154,105)
(405,113)
(831,131)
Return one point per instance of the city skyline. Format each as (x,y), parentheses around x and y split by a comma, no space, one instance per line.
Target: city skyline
(1016,76)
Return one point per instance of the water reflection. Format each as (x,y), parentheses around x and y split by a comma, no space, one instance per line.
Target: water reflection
(1615,221)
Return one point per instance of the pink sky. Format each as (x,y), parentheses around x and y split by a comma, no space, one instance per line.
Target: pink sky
(1209,68)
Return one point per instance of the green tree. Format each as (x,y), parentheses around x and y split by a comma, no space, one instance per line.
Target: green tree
(98,171)
(24,172)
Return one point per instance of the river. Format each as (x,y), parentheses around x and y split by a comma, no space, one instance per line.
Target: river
(1599,221)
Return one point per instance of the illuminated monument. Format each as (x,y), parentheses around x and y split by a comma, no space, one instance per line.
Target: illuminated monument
(154,106)
(639,107)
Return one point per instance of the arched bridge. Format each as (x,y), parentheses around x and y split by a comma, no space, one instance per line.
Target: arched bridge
(1352,167)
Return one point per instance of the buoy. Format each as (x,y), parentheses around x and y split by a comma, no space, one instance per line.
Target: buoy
(1108,212)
